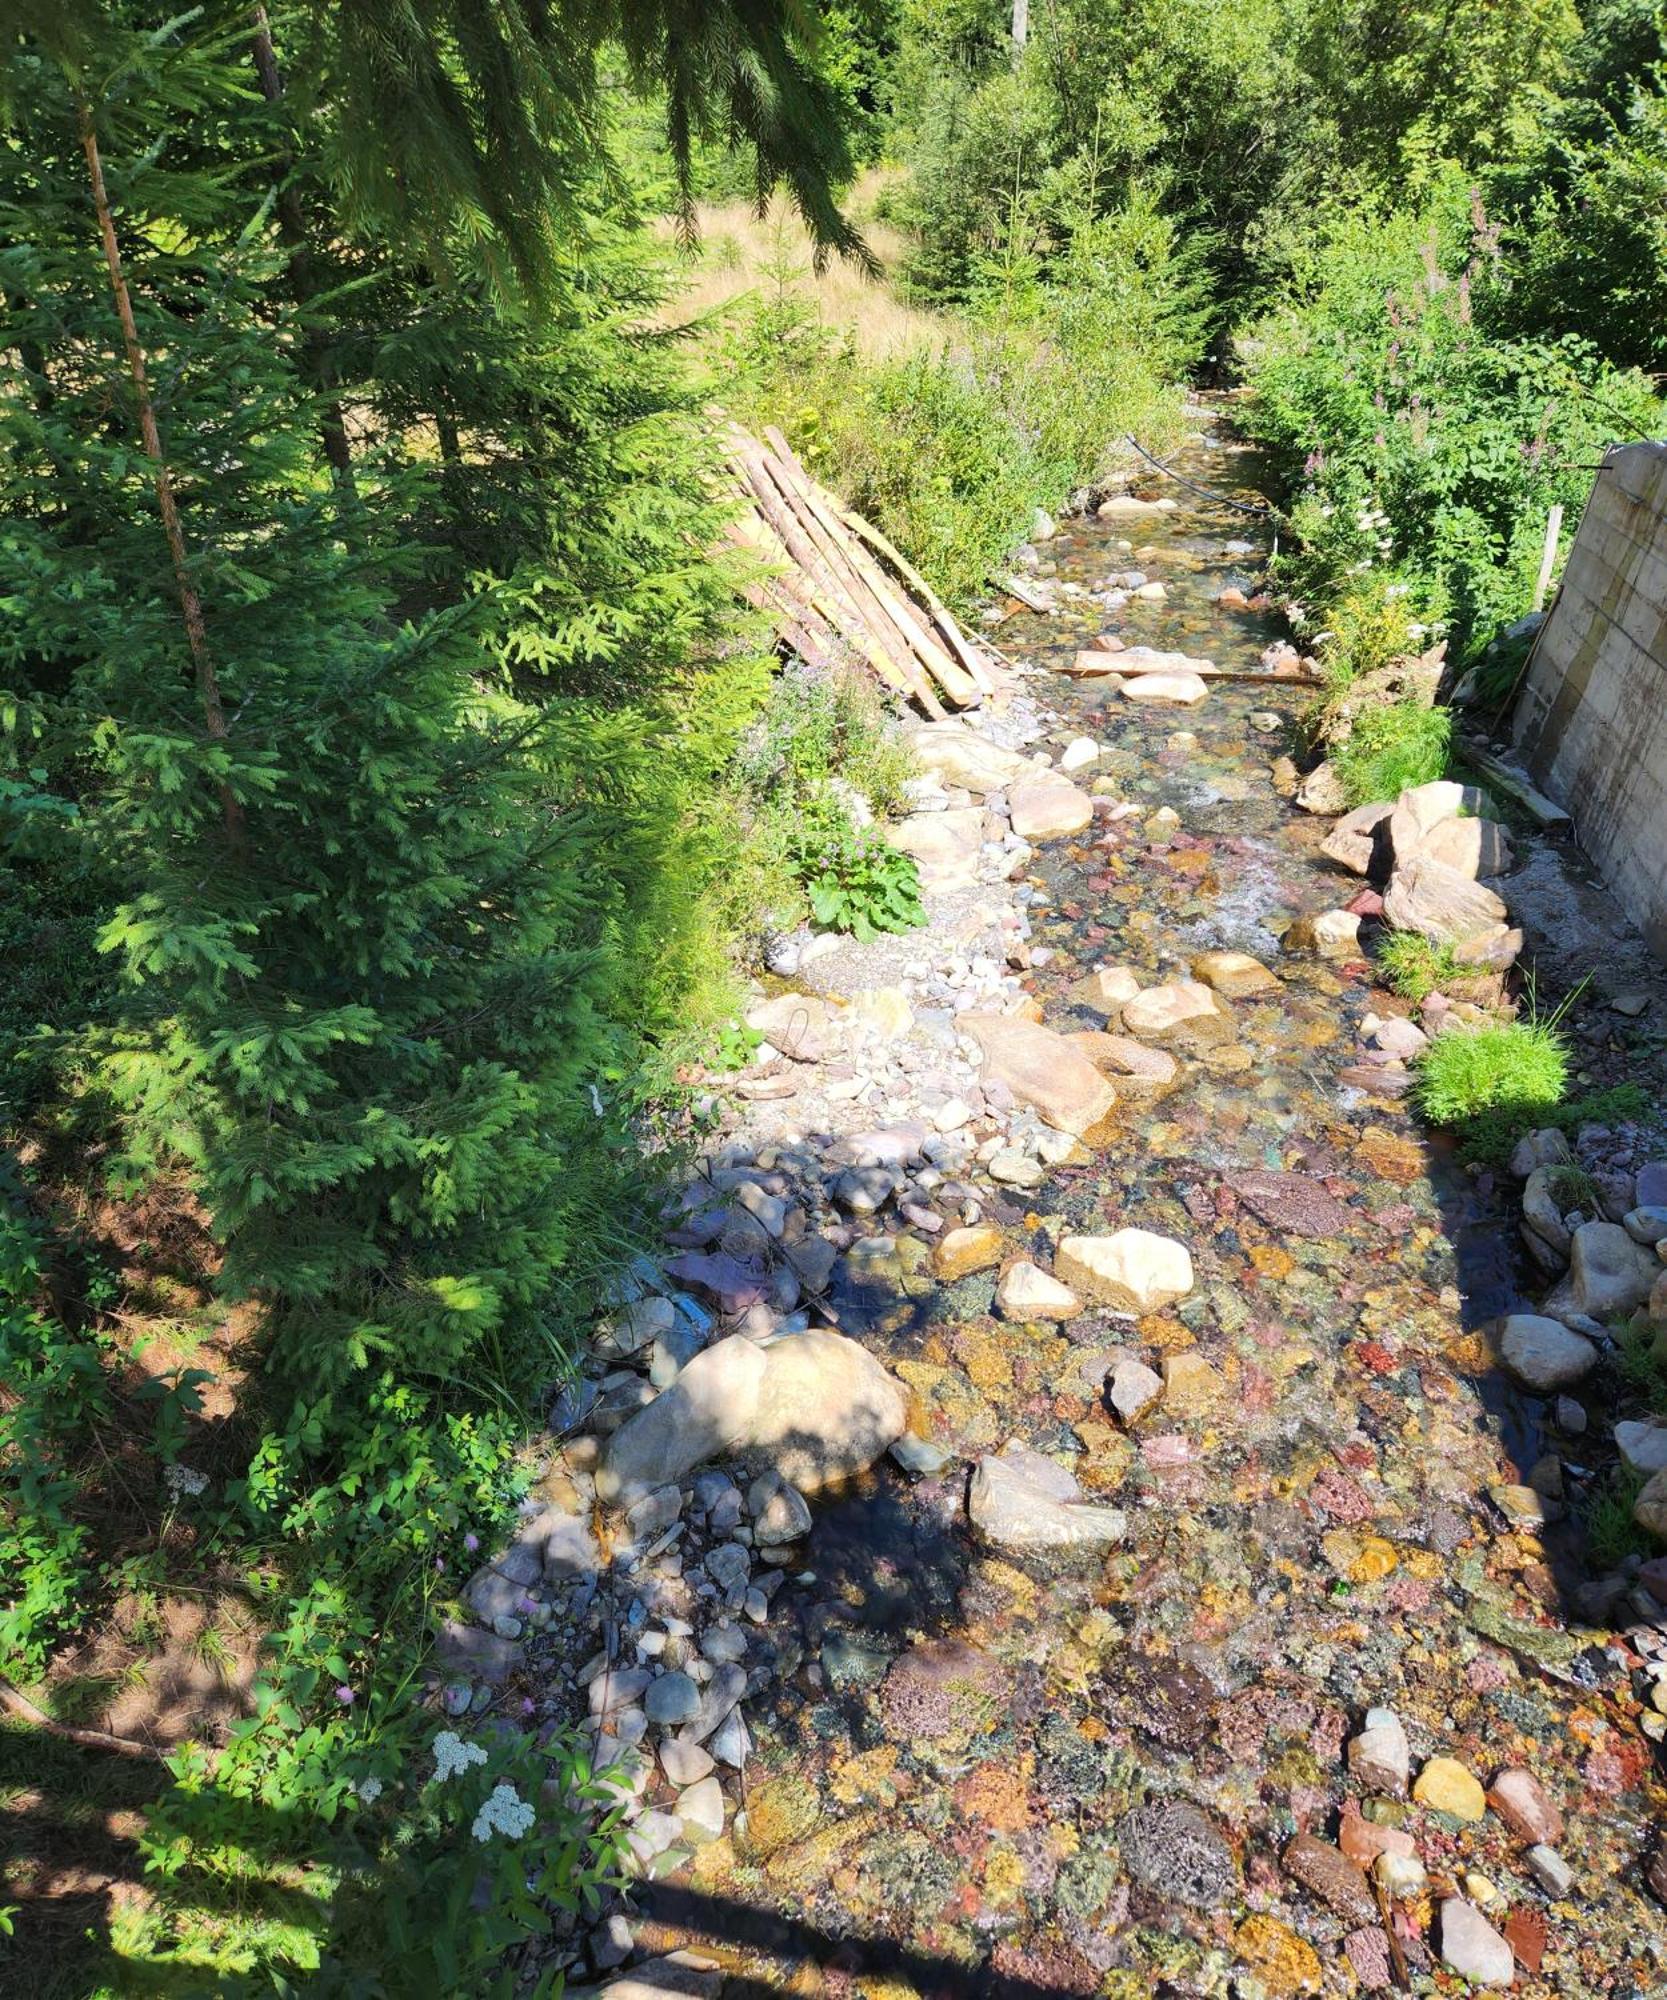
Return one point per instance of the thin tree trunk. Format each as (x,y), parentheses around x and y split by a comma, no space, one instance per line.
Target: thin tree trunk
(208,685)
(292,226)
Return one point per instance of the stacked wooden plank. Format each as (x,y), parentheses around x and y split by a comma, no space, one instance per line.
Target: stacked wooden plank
(837,589)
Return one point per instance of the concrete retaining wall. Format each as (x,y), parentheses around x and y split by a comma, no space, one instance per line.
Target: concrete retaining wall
(1591,722)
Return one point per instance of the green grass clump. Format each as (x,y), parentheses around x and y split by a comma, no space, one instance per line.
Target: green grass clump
(1510,1067)
(1611,1533)
(1413,966)
(1490,1143)
(1392,748)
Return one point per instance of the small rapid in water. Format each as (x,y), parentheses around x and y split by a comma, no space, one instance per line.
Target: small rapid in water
(977,1772)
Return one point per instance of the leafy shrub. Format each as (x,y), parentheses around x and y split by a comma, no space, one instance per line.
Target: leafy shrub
(1513,1068)
(1414,966)
(856,880)
(1389,749)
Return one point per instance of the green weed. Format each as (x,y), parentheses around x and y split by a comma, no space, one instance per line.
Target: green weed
(1611,1533)
(1510,1068)
(1414,966)
(1391,749)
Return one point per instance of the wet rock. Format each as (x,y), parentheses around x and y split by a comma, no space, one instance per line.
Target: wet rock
(1182,1009)
(1543,1353)
(659,1978)
(1521,1802)
(1132,1270)
(1550,1870)
(1332,934)
(1363,1840)
(1176,1851)
(1235,975)
(1440,904)
(920,1458)
(1284,1964)
(1048,806)
(1026,1293)
(1190,1383)
(1295,1203)
(1019,1500)
(1148,1072)
(1105,991)
(942,1688)
(1471,1947)
(1608,1273)
(699,1417)
(1015,1169)
(1134,1388)
(960,1252)
(1444,1785)
(1042,1070)
(1331,1876)
(1176,690)
(1380,1757)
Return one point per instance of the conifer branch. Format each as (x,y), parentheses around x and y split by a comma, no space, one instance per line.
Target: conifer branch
(196,634)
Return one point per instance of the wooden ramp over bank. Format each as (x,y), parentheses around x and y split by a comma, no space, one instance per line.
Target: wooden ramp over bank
(840,593)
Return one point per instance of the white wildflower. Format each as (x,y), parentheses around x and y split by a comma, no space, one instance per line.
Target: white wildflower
(452,1754)
(369,1789)
(504,1812)
(185,1481)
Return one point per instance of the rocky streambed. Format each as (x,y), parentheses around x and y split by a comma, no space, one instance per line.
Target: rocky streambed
(1058,1518)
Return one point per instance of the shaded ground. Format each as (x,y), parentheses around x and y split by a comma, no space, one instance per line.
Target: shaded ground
(1083,1781)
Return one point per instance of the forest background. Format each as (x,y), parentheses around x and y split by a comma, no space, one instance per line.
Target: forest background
(392,787)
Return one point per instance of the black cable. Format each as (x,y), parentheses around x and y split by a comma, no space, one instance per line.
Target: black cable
(1263,509)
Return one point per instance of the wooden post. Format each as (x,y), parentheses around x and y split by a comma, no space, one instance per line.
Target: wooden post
(1553,528)
(1021,25)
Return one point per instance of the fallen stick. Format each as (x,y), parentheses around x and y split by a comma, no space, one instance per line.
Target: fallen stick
(1028,595)
(89,1739)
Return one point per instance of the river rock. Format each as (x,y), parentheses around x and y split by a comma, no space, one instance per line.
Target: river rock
(1647,1226)
(1020,1500)
(1144,1072)
(671,1700)
(1351,843)
(1106,990)
(947,847)
(1048,806)
(1132,1270)
(1133,1389)
(1521,1802)
(1608,1273)
(778,1510)
(1444,1785)
(1333,1877)
(960,1252)
(1296,1203)
(1181,1009)
(1471,1947)
(804,1026)
(1380,1756)
(1472,847)
(1042,1070)
(1174,1850)
(1180,690)
(1643,1447)
(1545,1148)
(1649,1510)
(1547,1234)
(1439,903)
(1235,975)
(1332,934)
(825,1410)
(1544,1353)
(1028,1294)
(700,1416)
(959,755)
(1322,791)
(1079,753)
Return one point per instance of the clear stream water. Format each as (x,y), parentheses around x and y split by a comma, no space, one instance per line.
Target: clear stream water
(977,1775)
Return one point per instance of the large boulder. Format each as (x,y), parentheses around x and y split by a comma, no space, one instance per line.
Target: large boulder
(1472,847)
(1132,1270)
(825,1410)
(1608,1273)
(946,847)
(1020,1500)
(960,756)
(1351,843)
(1048,806)
(701,1416)
(1544,1353)
(1042,1070)
(1439,903)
